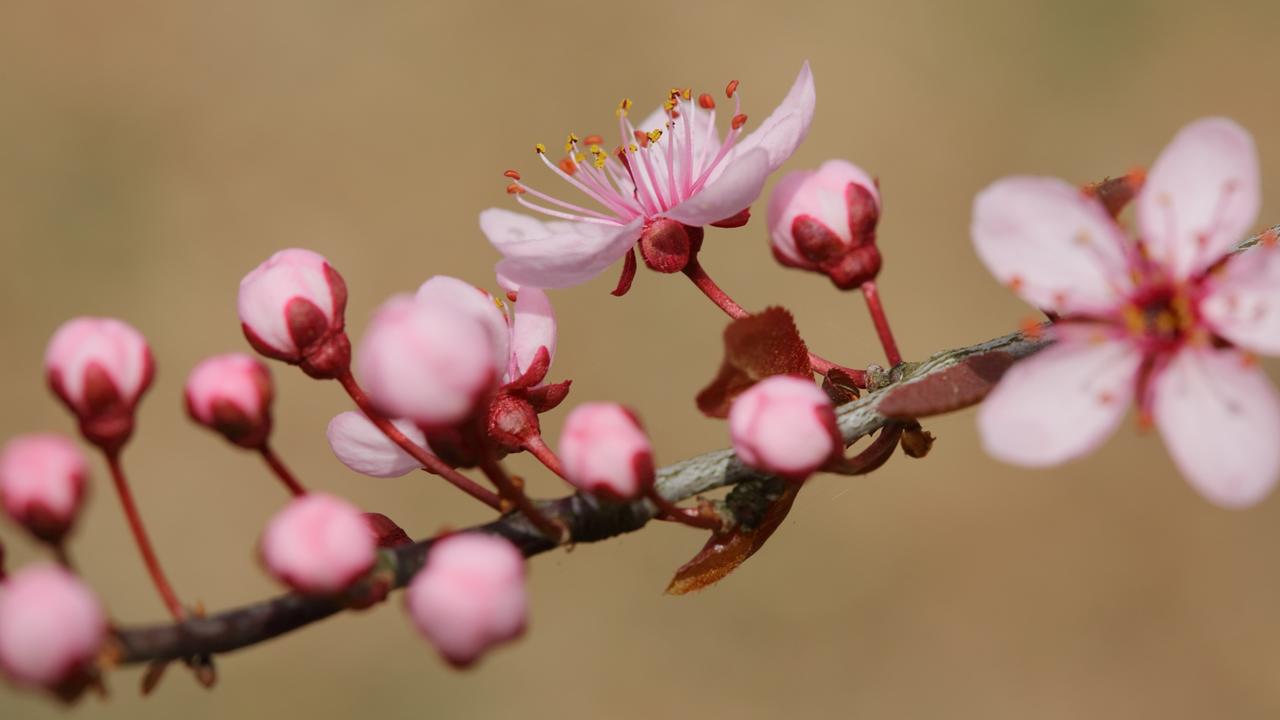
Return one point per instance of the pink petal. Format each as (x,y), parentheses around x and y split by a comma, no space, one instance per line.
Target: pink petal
(1220,419)
(738,185)
(1061,403)
(1056,248)
(1244,303)
(785,128)
(555,254)
(1201,196)
(534,327)
(468,300)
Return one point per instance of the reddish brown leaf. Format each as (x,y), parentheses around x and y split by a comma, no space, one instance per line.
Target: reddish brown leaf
(959,386)
(385,531)
(755,347)
(724,552)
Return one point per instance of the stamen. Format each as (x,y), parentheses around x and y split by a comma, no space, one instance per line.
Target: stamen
(623,107)
(731,88)
(514,189)
(567,165)
(514,175)
(706,102)
(540,149)
(738,121)
(593,140)
(570,143)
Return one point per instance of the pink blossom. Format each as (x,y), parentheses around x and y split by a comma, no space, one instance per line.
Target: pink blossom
(99,367)
(671,175)
(824,221)
(231,394)
(42,479)
(318,544)
(469,596)
(361,446)
(784,425)
(606,452)
(291,309)
(51,627)
(1165,321)
(431,363)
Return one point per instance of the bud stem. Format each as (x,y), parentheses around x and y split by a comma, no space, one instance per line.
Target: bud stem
(512,491)
(149,558)
(715,294)
(881,321)
(430,462)
(670,511)
(538,448)
(278,467)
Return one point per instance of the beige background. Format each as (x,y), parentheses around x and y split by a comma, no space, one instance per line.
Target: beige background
(150,154)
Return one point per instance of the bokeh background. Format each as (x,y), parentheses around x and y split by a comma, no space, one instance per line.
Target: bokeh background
(151,153)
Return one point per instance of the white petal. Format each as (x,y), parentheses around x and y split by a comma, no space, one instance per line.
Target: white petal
(1060,403)
(1243,304)
(1056,248)
(555,254)
(1201,196)
(1220,419)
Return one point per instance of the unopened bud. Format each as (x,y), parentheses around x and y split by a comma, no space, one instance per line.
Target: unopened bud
(51,628)
(825,221)
(784,425)
(42,480)
(318,544)
(231,394)
(605,451)
(291,309)
(100,367)
(469,596)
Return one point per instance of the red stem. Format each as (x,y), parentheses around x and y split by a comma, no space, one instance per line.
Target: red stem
(717,295)
(512,491)
(432,463)
(692,518)
(282,472)
(140,536)
(881,322)
(538,448)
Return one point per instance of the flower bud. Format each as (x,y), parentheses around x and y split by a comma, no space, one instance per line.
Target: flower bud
(459,296)
(429,363)
(231,394)
(469,596)
(291,309)
(42,479)
(51,627)
(99,367)
(318,544)
(825,220)
(605,452)
(361,446)
(784,425)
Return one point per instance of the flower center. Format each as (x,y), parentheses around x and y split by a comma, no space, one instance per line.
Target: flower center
(1162,317)
(649,172)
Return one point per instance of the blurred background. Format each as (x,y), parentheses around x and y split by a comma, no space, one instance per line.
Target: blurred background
(152,153)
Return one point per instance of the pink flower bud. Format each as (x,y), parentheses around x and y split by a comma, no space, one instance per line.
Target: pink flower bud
(426,362)
(361,446)
(51,627)
(605,452)
(318,544)
(469,596)
(42,480)
(825,220)
(231,394)
(291,309)
(99,367)
(784,425)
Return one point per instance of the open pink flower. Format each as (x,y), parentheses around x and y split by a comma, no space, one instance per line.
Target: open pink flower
(669,177)
(1161,321)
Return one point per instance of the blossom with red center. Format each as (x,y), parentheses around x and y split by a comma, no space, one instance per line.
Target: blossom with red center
(669,176)
(1167,321)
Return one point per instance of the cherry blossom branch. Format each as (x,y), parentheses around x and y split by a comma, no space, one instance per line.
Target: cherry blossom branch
(588,520)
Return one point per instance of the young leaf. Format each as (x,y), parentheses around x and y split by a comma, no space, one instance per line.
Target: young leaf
(960,386)
(755,347)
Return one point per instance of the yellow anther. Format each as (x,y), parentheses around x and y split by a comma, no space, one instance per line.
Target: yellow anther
(540,149)
(654,135)
(624,106)
(633,147)
(599,160)
(687,93)
(572,141)
(579,158)
(1133,320)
